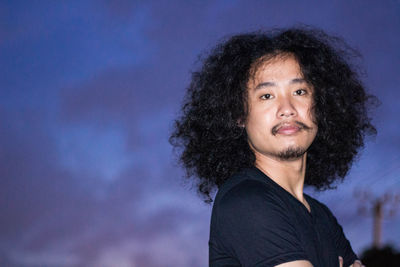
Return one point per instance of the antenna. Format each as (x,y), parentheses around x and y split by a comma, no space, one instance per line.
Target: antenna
(379,207)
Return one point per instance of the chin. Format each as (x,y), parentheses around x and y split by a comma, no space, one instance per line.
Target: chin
(292,153)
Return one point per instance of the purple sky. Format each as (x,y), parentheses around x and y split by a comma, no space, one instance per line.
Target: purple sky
(88,92)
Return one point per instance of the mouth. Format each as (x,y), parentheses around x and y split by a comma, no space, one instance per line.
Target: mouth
(289,128)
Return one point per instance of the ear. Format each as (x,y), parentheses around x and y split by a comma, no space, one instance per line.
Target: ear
(240,123)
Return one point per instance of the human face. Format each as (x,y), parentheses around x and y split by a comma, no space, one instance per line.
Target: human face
(280,121)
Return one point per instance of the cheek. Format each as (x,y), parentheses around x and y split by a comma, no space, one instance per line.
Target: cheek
(307,113)
(311,115)
(258,119)
(258,126)
(311,111)
(313,133)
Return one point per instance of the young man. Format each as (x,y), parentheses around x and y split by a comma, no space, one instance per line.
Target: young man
(267,114)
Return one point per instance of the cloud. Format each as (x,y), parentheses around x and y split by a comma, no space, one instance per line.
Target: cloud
(86,169)
(49,211)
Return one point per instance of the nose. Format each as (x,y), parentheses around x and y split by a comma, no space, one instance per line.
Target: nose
(286,109)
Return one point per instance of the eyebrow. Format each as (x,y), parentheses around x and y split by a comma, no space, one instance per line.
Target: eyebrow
(271,84)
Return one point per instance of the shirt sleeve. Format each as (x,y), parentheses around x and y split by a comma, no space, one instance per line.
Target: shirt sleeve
(253,225)
(342,244)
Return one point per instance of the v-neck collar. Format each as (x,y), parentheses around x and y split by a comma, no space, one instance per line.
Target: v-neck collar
(263,177)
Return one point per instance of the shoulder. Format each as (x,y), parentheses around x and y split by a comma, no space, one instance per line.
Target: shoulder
(251,202)
(252,222)
(248,184)
(246,193)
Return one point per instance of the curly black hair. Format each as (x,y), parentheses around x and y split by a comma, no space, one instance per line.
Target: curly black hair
(212,145)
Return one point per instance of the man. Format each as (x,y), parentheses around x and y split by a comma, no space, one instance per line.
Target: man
(265,115)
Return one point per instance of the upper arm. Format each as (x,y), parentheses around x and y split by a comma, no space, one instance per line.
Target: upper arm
(301,263)
(257,229)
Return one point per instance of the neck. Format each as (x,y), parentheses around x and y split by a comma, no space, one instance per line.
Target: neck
(289,174)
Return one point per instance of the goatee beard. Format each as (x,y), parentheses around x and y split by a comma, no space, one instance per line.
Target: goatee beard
(291,153)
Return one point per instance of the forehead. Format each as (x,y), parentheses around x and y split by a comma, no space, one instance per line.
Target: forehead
(277,68)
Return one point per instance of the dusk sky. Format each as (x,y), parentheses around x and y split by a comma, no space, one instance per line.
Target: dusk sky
(88,94)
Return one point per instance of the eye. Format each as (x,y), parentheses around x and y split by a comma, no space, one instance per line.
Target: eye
(300,92)
(266,96)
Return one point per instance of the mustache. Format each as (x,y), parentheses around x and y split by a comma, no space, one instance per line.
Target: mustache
(301,125)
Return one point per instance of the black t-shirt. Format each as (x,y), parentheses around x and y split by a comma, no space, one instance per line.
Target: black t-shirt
(255,222)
